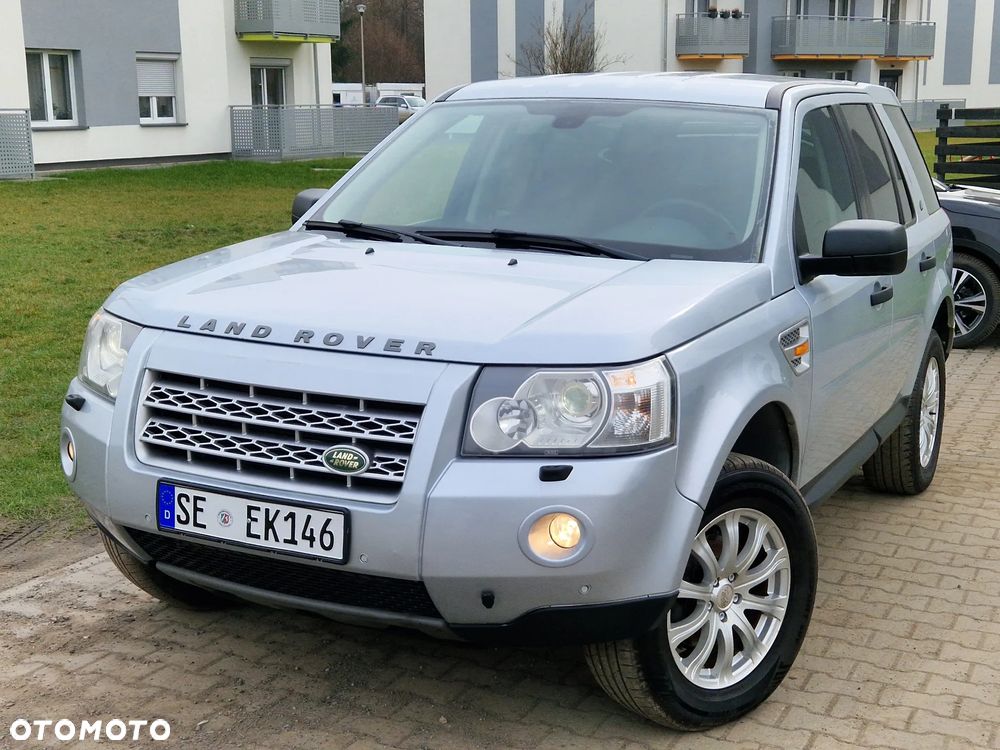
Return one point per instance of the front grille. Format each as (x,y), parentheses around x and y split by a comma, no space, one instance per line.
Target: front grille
(282,576)
(269,435)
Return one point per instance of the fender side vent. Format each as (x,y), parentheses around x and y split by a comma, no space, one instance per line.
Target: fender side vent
(796,346)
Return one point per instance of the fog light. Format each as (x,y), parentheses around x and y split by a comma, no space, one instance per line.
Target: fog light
(564,530)
(556,536)
(67,453)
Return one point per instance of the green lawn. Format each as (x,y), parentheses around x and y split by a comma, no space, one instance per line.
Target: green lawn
(65,243)
(927,141)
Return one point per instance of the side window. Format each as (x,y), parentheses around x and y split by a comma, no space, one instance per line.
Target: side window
(916,158)
(873,163)
(824,192)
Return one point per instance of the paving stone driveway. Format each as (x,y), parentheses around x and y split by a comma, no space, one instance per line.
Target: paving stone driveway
(903,650)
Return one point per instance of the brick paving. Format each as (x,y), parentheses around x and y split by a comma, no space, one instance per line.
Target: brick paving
(903,651)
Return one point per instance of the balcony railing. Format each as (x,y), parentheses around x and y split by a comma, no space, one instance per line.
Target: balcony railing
(288,20)
(827,37)
(700,35)
(299,132)
(922,113)
(910,40)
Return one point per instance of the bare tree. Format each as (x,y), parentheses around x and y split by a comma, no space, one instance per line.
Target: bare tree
(566,46)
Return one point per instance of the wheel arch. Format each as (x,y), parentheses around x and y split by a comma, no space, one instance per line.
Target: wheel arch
(748,432)
(770,435)
(979,250)
(944,324)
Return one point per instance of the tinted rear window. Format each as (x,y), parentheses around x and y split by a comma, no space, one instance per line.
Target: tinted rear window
(902,127)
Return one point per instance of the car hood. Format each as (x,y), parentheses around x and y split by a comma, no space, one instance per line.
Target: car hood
(457,304)
(972,201)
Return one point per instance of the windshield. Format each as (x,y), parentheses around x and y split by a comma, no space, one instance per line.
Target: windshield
(661,180)
(415,101)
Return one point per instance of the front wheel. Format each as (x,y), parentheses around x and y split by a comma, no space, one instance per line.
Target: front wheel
(740,615)
(168,590)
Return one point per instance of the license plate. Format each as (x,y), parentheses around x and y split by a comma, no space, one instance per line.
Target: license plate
(252,522)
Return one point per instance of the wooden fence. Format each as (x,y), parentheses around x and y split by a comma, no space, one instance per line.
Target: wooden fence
(978,153)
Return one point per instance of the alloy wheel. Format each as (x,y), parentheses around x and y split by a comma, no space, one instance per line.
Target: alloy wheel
(970,301)
(930,405)
(732,599)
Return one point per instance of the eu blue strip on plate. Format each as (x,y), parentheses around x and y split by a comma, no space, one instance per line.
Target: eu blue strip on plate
(165,506)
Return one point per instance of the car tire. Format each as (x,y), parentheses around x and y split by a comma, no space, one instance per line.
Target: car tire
(977,300)
(676,675)
(168,590)
(905,463)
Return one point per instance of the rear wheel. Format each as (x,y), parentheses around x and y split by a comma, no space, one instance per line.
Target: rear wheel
(977,300)
(741,613)
(163,587)
(905,463)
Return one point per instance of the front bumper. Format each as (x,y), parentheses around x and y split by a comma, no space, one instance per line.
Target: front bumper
(453,529)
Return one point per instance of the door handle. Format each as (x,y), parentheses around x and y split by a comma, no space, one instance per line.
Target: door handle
(927,262)
(881,295)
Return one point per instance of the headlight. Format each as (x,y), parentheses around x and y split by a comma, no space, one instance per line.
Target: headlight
(553,412)
(104,350)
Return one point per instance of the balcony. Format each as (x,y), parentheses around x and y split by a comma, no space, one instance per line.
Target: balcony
(315,21)
(910,40)
(311,130)
(700,36)
(828,38)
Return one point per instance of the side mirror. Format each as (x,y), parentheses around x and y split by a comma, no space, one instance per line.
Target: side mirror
(304,201)
(859,247)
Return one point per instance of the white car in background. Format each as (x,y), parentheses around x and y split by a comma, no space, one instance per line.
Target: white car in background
(407,105)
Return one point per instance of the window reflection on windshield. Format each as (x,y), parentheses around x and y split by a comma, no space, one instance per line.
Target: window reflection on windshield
(658,179)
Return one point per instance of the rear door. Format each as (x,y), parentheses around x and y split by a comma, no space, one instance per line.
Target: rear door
(851,317)
(929,238)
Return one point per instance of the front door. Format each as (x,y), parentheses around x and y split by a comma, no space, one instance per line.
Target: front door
(890,79)
(267,94)
(850,327)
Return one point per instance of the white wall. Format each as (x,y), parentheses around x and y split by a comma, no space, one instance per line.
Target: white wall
(13,72)
(978,93)
(506,39)
(447,45)
(633,33)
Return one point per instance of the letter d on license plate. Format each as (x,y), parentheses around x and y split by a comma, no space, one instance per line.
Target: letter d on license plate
(291,529)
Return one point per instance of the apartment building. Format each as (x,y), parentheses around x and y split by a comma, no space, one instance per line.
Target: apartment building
(925,50)
(94,81)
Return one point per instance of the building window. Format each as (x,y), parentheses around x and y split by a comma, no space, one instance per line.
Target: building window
(51,90)
(157,91)
(267,86)
(842,8)
(840,75)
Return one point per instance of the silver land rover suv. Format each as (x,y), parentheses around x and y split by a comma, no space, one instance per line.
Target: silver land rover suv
(563,359)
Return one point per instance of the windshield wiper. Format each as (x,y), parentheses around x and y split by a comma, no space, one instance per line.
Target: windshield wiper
(533,241)
(374,232)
